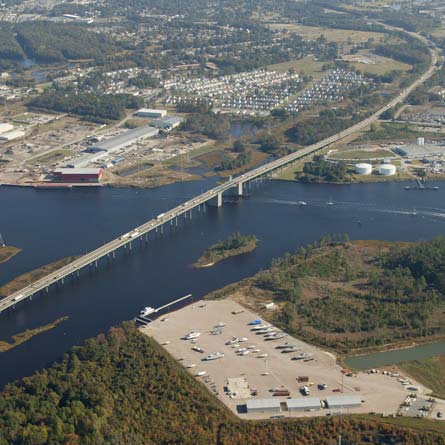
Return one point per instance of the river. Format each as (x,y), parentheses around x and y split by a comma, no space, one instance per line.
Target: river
(49,225)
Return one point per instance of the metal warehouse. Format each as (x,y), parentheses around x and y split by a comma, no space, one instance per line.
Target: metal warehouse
(125,139)
(167,123)
(263,406)
(349,401)
(86,158)
(147,112)
(304,404)
(78,174)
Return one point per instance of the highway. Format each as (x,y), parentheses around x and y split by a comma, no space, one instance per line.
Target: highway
(214,194)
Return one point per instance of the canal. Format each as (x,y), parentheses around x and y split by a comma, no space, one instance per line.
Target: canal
(49,225)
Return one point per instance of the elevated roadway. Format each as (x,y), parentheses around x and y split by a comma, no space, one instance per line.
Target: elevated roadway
(214,195)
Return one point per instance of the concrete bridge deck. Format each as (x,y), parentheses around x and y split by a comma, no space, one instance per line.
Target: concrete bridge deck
(213,195)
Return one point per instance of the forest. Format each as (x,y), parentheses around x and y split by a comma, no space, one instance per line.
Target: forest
(91,106)
(321,170)
(49,42)
(121,388)
(352,295)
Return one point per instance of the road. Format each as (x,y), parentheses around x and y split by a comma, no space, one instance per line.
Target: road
(213,194)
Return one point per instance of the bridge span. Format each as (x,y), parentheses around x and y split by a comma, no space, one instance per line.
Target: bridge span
(212,197)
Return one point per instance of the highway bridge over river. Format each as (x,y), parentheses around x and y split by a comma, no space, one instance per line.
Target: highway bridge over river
(212,197)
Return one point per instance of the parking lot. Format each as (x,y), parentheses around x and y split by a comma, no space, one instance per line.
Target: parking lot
(265,368)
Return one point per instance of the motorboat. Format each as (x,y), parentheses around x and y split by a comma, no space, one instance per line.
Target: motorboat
(291,349)
(285,345)
(302,203)
(261,327)
(302,356)
(191,335)
(254,322)
(147,311)
(215,356)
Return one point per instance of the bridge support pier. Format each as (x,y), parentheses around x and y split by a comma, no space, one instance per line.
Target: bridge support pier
(240,189)
(130,245)
(219,200)
(176,221)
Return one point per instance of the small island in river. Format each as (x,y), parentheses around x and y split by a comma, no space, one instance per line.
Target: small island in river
(235,244)
(7,252)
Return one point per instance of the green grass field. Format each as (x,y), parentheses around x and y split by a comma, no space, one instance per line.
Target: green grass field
(361,154)
(307,66)
(430,372)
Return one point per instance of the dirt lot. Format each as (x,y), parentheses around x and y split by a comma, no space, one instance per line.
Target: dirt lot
(380,393)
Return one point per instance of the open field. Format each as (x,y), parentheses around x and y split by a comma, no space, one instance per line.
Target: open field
(372,63)
(306,66)
(381,393)
(332,35)
(430,372)
(361,154)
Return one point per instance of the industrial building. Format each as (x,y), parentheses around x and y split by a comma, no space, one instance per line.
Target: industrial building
(78,175)
(167,123)
(151,113)
(124,139)
(303,404)
(344,402)
(86,158)
(12,135)
(263,405)
(5,128)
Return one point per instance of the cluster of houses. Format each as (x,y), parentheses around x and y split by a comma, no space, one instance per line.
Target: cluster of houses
(259,90)
(330,88)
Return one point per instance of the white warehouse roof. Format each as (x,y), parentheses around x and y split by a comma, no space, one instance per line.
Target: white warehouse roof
(259,404)
(303,403)
(345,401)
(5,127)
(126,138)
(11,135)
(78,171)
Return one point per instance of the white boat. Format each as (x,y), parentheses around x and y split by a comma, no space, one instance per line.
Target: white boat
(241,350)
(242,339)
(200,373)
(302,203)
(266,331)
(330,202)
(262,355)
(245,352)
(215,356)
(232,342)
(220,325)
(147,311)
(285,345)
(291,349)
(192,365)
(256,350)
(191,335)
(303,356)
(261,326)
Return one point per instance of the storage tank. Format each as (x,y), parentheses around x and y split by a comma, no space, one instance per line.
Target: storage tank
(420,141)
(363,169)
(387,169)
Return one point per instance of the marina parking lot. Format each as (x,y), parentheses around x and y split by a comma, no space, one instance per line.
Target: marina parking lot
(265,369)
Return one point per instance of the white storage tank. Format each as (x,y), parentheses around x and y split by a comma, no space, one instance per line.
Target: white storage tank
(387,169)
(363,169)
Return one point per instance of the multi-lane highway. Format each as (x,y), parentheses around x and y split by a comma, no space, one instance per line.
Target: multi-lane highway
(214,194)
